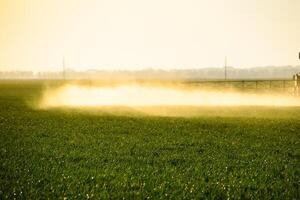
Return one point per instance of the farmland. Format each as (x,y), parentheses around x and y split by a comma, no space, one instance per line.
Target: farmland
(217,152)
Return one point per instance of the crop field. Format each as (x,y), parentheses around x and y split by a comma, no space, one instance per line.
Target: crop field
(189,152)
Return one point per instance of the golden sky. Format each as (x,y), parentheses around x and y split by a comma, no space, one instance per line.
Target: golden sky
(136,34)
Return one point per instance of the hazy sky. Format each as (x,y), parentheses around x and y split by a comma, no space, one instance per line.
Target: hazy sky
(135,34)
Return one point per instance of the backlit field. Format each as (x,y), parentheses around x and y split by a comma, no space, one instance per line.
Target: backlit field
(118,152)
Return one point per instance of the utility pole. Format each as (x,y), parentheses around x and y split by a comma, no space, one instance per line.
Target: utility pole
(64,68)
(225,68)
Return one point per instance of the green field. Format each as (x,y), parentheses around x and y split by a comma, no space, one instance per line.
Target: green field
(218,153)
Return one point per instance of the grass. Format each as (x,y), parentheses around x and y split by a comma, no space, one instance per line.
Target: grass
(236,153)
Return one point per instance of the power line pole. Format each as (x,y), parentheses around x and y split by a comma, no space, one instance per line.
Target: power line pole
(64,68)
(225,68)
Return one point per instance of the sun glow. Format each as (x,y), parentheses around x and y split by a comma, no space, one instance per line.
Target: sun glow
(136,34)
(139,95)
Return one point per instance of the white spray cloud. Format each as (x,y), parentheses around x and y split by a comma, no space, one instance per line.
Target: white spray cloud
(140,95)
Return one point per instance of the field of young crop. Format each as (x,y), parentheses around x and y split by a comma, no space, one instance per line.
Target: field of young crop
(113,153)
